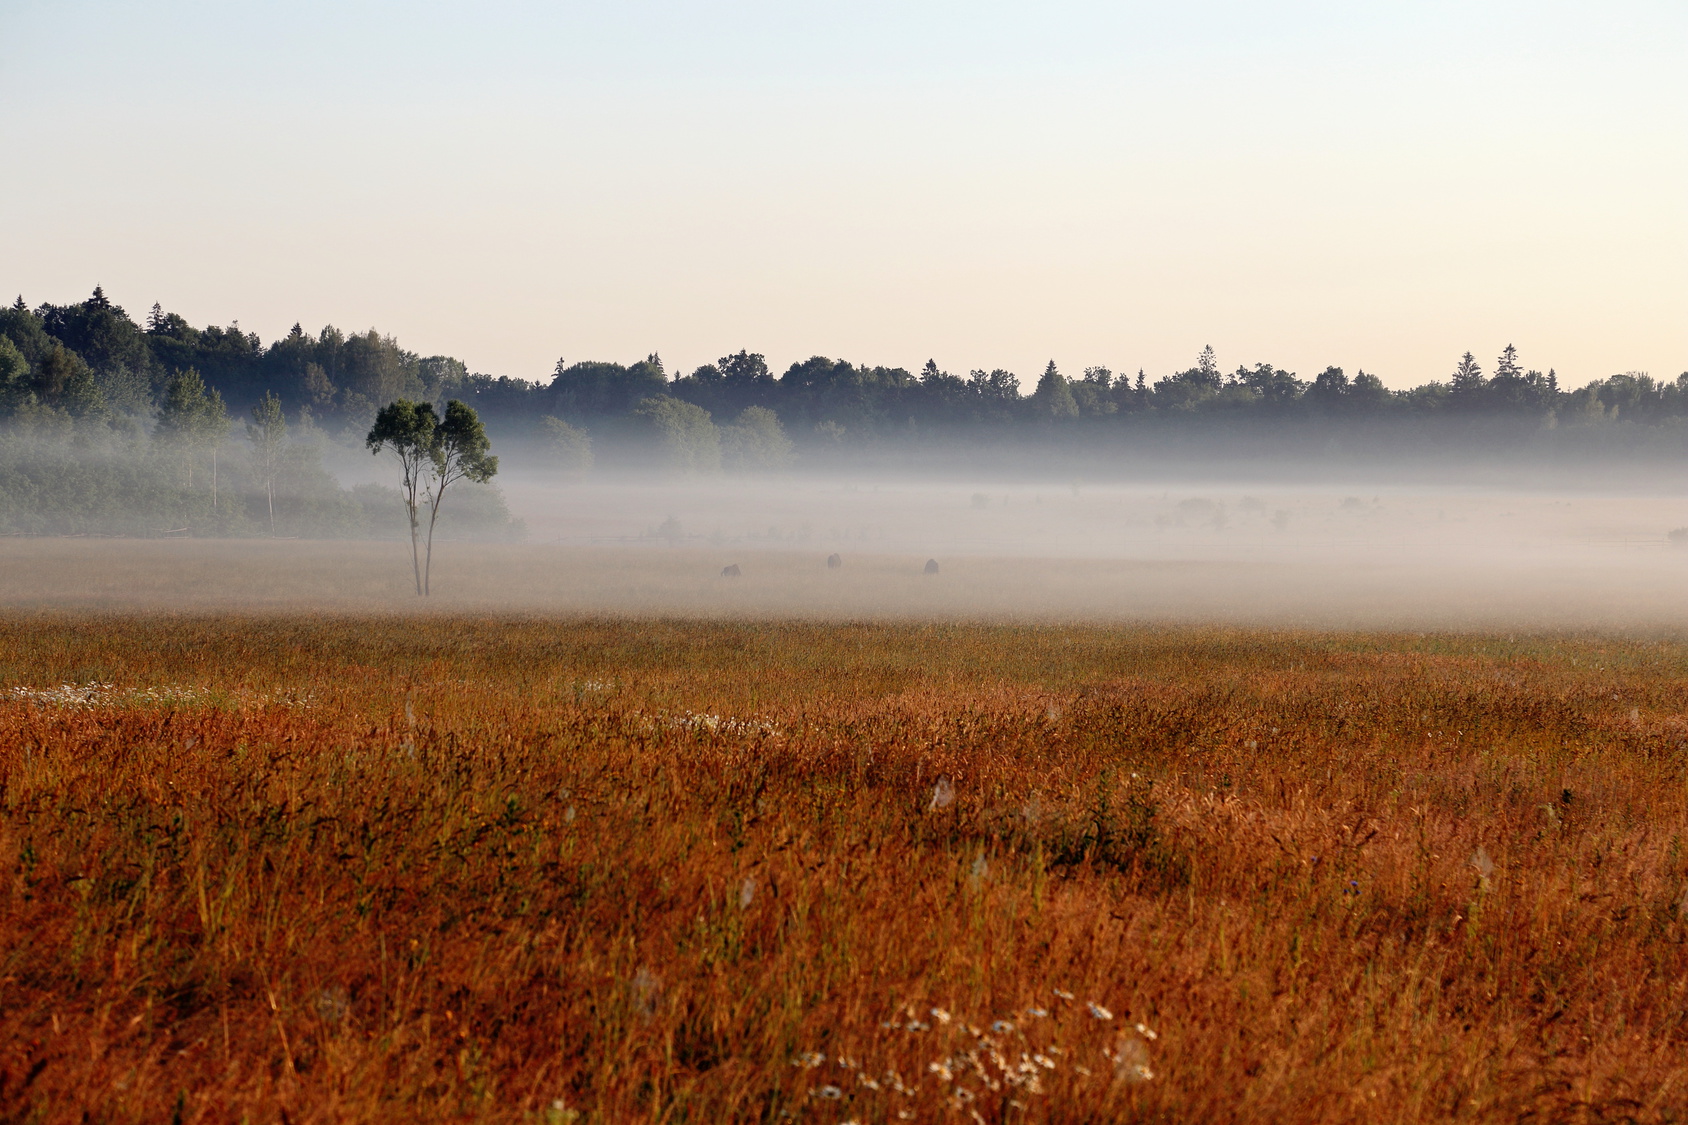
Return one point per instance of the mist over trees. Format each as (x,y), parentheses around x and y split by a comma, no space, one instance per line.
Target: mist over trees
(91,369)
(108,427)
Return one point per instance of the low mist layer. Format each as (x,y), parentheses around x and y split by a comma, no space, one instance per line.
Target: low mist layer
(1337,558)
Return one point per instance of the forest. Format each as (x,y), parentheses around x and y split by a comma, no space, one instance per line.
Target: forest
(112,426)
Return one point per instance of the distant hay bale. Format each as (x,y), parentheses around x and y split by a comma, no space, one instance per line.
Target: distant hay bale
(730,571)
(931,566)
(834,561)
(1678,537)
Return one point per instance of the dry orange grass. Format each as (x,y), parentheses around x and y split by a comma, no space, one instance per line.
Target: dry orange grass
(289,869)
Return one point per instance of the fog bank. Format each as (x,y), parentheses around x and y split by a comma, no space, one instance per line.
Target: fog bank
(1296,557)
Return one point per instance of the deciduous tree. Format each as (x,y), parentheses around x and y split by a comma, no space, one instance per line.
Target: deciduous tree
(406,430)
(433,454)
(756,442)
(460,451)
(687,434)
(191,420)
(267,431)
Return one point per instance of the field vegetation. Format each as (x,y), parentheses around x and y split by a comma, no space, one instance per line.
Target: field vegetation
(510,868)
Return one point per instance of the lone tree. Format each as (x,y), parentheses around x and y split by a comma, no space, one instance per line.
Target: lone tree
(268,433)
(433,454)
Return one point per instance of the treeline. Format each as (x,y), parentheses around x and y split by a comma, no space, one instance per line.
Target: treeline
(111,429)
(91,361)
(821,395)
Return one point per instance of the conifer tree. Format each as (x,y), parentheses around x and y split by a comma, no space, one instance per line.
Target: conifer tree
(1053,398)
(1468,382)
(1506,367)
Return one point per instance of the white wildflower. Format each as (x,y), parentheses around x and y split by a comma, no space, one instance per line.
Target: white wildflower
(1483,865)
(1131,1060)
(943,794)
(647,989)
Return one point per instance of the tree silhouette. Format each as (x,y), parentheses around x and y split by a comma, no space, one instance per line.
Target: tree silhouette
(432,455)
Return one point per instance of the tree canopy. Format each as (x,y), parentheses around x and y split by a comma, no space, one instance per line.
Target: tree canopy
(432,455)
(89,363)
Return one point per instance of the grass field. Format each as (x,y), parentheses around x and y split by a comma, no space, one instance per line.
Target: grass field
(513,868)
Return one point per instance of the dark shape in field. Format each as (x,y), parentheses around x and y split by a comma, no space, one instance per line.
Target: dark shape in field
(730,571)
(834,561)
(931,566)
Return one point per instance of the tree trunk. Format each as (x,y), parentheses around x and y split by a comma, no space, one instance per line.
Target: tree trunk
(415,556)
(433,517)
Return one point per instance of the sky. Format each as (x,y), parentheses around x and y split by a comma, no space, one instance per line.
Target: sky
(1373,185)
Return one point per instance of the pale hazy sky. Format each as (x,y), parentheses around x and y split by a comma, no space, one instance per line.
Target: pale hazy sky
(1377,185)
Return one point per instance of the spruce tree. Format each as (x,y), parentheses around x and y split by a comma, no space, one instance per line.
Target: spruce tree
(1506,367)
(1468,383)
(1053,398)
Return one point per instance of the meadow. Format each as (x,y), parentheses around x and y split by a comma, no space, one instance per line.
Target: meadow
(479,866)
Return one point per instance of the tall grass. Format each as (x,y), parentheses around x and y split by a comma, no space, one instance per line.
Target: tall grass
(521,869)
